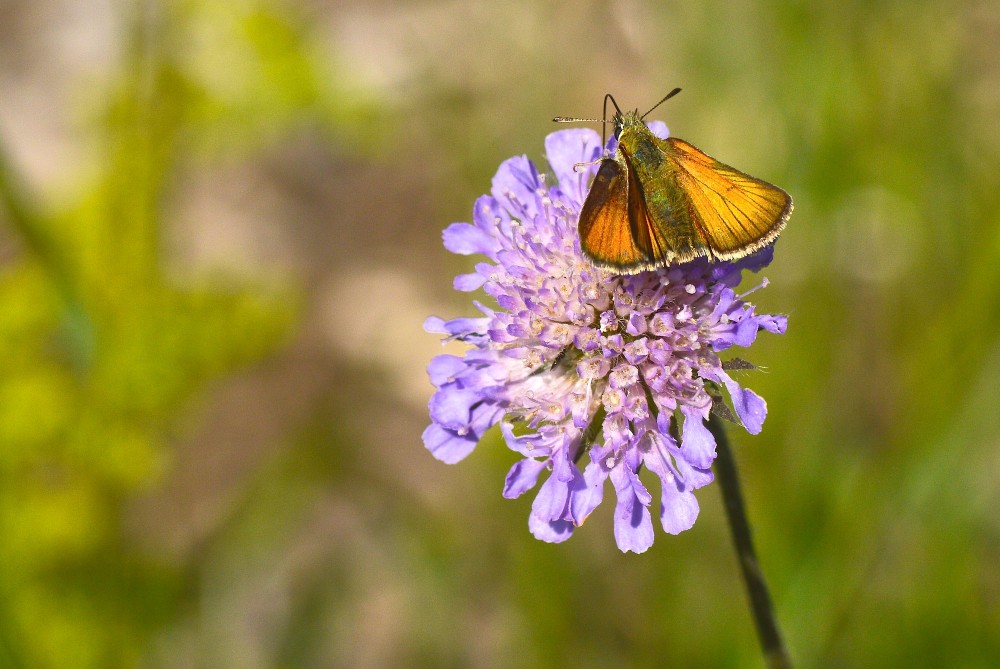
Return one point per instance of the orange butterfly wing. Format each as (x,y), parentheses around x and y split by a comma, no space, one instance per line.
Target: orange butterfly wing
(608,226)
(735,213)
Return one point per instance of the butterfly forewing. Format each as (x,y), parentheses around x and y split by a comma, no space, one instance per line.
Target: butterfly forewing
(733,212)
(605,229)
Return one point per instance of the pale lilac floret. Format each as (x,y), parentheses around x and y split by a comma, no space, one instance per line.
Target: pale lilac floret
(591,376)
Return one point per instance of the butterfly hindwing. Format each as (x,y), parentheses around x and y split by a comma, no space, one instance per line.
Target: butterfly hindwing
(639,224)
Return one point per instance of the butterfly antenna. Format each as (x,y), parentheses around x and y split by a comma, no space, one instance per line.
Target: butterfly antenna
(605,121)
(573,119)
(608,96)
(669,95)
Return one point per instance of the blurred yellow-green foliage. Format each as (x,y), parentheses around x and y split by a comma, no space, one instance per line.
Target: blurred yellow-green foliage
(219,236)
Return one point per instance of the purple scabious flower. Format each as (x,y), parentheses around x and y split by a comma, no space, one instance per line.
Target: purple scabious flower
(572,360)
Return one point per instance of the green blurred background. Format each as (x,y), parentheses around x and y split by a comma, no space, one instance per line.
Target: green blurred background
(219,236)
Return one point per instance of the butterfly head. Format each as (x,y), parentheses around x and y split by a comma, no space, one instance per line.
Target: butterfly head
(624,121)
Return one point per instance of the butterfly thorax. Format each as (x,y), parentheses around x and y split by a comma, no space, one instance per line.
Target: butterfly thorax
(635,138)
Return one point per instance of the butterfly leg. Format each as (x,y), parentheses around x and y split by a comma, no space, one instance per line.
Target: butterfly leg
(578,166)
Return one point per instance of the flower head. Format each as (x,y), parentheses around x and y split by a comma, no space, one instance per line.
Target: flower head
(575,361)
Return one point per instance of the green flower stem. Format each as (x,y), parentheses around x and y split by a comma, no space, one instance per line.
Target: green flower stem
(775,653)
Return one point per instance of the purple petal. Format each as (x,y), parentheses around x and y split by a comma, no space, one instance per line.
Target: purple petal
(566,148)
(484,416)
(757,261)
(469,282)
(775,324)
(746,329)
(456,326)
(631,464)
(724,299)
(486,212)
(550,531)
(659,128)
(678,506)
(633,524)
(465,239)
(444,368)
(522,477)
(637,324)
(446,445)
(508,302)
(611,146)
(516,186)
(552,502)
(692,477)
(435,325)
(528,445)
(583,503)
(678,509)
(633,527)
(697,443)
(452,407)
(664,459)
(750,407)
(663,421)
